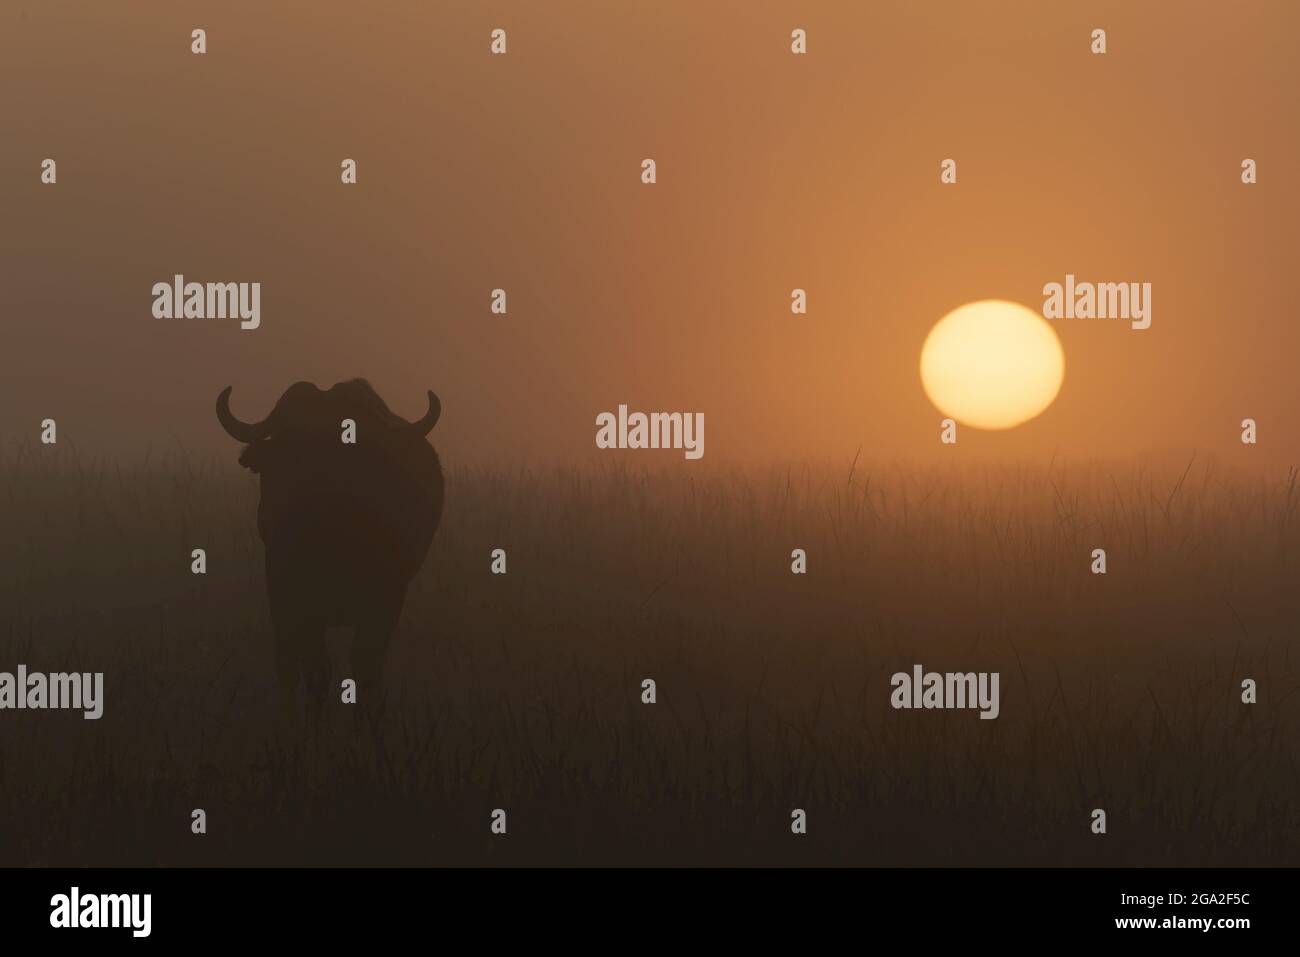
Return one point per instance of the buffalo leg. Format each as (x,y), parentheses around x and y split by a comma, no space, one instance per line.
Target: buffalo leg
(313,659)
(301,659)
(374,633)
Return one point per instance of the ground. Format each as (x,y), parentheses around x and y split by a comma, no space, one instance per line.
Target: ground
(523,692)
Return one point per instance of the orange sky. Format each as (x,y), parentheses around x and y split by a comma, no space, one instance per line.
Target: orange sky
(522,172)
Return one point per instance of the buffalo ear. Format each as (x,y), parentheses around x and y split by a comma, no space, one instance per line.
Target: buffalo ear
(252,458)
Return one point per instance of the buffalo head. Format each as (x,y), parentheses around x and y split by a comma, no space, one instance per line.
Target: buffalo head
(304,407)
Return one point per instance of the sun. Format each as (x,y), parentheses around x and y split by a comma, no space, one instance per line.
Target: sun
(992,364)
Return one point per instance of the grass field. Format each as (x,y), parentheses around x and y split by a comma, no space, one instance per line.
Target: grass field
(1119,691)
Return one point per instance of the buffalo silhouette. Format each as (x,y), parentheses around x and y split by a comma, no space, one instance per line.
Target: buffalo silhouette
(346,525)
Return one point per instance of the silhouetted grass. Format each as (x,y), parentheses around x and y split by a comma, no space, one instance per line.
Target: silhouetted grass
(523,692)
